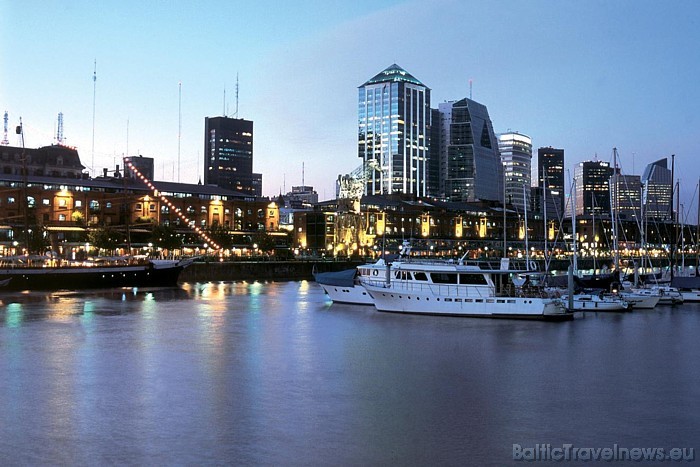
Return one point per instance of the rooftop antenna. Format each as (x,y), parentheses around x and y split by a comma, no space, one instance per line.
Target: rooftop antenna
(302,174)
(470,89)
(127,137)
(59,131)
(94,91)
(224,108)
(179,126)
(5,141)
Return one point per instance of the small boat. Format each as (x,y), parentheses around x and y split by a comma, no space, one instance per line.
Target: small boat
(41,273)
(668,295)
(688,286)
(640,301)
(344,287)
(456,289)
(596,302)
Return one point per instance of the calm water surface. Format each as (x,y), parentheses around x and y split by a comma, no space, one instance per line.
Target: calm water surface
(272,373)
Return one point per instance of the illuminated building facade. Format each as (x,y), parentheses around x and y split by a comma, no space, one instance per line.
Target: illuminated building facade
(626,194)
(550,164)
(393,133)
(593,188)
(228,155)
(516,156)
(658,191)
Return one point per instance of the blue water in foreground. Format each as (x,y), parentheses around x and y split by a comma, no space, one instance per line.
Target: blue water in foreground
(273,374)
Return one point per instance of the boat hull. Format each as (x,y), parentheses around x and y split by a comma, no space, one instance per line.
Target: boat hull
(425,302)
(77,278)
(353,295)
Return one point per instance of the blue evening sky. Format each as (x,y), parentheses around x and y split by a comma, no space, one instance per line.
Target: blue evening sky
(586,76)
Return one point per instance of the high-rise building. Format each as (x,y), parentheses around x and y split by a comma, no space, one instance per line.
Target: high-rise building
(516,156)
(393,133)
(626,195)
(470,165)
(550,163)
(658,191)
(228,155)
(593,188)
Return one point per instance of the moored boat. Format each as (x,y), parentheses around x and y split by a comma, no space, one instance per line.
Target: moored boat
(596,302)
(24,273)
(459,290)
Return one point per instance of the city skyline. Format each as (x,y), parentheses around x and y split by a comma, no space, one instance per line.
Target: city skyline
(586,81)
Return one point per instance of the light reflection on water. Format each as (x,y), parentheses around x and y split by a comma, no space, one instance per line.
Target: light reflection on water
(271,373)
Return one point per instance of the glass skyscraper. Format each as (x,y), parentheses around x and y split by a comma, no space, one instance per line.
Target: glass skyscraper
(393,133)
(470,164)
(658,191)
(516,156)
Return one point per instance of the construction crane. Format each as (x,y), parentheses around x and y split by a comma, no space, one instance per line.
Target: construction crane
(352,185)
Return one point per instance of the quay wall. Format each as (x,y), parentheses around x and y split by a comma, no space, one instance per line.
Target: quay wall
(299,270)
(260,270)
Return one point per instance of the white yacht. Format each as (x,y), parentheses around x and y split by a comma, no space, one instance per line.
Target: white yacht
(457,289)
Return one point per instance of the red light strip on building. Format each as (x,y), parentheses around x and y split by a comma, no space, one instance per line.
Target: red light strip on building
(177,211)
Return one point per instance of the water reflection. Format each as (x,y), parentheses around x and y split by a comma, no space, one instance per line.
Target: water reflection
(270,373)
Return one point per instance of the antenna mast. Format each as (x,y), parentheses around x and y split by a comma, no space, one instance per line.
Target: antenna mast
(470,89)
(94,92)
(59,132)
(5,141)
(236,95)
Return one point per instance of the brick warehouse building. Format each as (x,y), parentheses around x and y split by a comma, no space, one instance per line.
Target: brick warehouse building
(65,203)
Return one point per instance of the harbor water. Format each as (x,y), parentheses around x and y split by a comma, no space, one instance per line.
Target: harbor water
(272,373)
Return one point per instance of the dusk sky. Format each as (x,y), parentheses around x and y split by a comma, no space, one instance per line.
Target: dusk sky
(585,76)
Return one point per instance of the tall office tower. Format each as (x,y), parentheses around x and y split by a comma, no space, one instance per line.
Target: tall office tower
(228,155)
(434,188)
(626,196)
(593,188)
(658,191)
(516,156)
(550,161)
(470,165)
(393,133)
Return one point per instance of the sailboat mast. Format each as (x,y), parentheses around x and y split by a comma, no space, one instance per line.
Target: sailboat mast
(527,248)
(544,212)
(573,223)
(613,211)
(673,217)
(697,235)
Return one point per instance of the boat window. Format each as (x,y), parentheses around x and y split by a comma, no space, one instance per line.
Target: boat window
(472,279)
(443,278)
(420,276)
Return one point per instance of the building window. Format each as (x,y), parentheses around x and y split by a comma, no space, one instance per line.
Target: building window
(152,208)
(108,205)
(78,204)
(46,202)
(62,202)
(61,217)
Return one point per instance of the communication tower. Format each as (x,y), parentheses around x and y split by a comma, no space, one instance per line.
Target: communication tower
(5,141)
(59,131)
